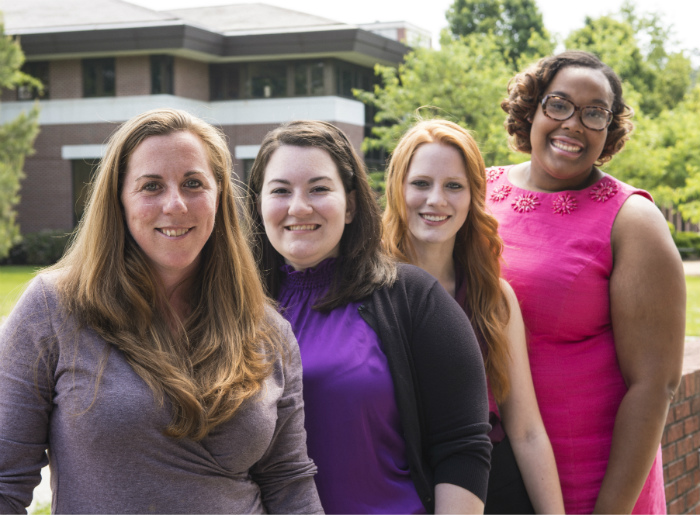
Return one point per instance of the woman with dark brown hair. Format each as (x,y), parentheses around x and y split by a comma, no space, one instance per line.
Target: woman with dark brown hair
(394,385)
(435,218)
(599,280)
(148,361)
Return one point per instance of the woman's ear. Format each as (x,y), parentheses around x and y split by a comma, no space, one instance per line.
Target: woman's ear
(351,206)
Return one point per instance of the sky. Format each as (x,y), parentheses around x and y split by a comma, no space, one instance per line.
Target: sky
(560,17)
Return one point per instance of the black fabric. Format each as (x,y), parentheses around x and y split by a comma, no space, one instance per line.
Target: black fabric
(507,492)
(439,380)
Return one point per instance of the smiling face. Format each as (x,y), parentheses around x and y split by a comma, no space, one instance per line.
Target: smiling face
(437,195)
(170,197)
(303,205)
(564,152)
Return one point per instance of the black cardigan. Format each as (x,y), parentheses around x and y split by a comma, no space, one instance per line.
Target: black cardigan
(439,380)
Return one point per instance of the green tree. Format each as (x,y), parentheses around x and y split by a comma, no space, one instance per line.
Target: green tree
(635,47)
(663,154)
(464,81)
(16,141)
(513,22)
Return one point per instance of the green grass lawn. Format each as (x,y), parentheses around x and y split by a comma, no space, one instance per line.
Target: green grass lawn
(13,280)
(692,314)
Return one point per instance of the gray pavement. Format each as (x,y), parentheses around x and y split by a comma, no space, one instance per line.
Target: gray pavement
(691,267)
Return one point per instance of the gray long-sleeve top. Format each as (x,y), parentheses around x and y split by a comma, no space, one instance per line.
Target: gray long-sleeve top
(107,451)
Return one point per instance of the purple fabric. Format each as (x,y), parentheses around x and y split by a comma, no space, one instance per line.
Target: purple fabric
(352,420)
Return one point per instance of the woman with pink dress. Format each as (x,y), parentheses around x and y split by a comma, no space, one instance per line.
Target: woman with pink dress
(599,281)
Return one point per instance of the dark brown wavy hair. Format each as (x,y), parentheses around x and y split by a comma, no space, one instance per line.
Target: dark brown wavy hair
(220,355)
(478,246)
(526,89)
(364,266)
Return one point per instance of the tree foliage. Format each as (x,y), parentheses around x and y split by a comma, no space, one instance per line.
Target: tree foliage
(663,154)
(16,141)
(513,22)
(466,79)
(662,79)
(464,82)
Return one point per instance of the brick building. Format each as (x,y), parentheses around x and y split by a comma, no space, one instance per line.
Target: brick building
(243,67)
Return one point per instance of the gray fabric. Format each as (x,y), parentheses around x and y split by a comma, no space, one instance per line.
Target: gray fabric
(108,453)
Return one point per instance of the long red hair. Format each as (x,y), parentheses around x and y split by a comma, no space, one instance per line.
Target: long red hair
(478,246)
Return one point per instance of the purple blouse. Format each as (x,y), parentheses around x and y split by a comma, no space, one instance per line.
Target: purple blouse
(352,420)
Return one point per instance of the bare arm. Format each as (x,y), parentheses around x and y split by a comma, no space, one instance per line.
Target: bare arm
(455,499)
(647,303)
(523,422)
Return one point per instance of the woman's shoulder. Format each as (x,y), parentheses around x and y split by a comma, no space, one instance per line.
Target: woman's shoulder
(281,328)
(608,187)
(41,293)
(415,288)
(413,279)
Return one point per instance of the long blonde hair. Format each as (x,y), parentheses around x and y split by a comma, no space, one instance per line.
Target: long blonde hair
(220,354)
(477,248)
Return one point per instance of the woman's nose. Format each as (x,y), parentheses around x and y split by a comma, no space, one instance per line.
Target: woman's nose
(436,197)
(175,202)
(299,206)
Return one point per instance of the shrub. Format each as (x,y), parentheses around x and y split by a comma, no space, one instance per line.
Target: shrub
(688,243)
(41,248)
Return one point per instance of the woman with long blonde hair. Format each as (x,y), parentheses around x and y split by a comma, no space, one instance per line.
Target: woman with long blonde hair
(435,218)
(147,360)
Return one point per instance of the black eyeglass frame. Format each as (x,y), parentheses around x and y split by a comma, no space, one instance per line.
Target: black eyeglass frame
(580,112)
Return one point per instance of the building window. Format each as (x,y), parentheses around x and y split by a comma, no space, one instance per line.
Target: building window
(349,77)
(225,81)
(83,173)
(247,168)
(162,74)
(98,77)
(267,80)
(309,79)
(40,71)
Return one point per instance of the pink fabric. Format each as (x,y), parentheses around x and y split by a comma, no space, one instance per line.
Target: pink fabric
(558,259)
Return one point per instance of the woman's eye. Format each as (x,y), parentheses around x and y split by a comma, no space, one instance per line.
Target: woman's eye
(150,186)
(192,183)
(420,183)
(279,191)
(320,189)
(454,186)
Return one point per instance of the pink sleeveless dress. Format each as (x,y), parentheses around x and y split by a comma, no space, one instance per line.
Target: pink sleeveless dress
(558,259)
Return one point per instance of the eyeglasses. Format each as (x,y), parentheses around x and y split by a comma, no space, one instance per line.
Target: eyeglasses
(592,117)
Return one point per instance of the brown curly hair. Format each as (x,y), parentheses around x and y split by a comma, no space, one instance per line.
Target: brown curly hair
(526,89)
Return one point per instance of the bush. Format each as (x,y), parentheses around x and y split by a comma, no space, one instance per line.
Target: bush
(41,248)
(688,243)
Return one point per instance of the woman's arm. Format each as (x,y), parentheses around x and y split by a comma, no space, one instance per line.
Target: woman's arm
(452,389)
(522,421)
(285,474)
(647,304)
(25,399)
(455,499)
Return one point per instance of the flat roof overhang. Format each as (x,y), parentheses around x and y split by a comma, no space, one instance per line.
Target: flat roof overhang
(350,44)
